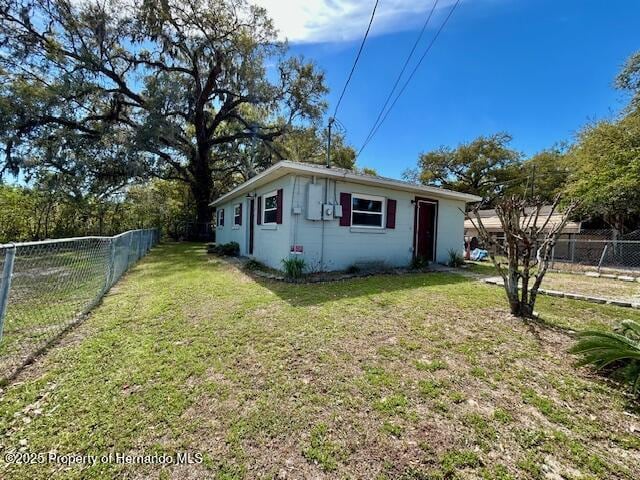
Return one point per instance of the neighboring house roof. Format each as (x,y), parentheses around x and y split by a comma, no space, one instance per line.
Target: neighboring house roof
(285,167)
(492,223)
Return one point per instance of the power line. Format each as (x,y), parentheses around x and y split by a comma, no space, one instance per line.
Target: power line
(364,39)
(404,67)
(415,69)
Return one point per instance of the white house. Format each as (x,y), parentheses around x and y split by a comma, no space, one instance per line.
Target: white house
(335,218)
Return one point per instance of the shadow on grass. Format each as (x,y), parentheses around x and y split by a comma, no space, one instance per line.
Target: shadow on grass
(301,295)
(175,258)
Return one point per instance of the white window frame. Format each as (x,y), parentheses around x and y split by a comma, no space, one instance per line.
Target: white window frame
(265,209)
(236,215)
(383,213)
(220,213)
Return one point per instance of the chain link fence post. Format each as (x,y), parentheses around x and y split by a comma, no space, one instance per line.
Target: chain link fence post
(604,252)
(112,262)
(5,283)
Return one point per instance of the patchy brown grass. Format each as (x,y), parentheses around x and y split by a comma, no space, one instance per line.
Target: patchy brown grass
(416,376)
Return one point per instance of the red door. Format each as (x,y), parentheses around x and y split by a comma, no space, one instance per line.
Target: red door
(251,226)
(426,212)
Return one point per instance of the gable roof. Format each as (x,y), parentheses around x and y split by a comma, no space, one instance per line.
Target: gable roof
(492,223)
(285,167)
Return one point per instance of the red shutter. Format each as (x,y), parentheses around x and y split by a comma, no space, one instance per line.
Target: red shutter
(391,213)
(259,213)
(240,222)
(279,206)
(345,201)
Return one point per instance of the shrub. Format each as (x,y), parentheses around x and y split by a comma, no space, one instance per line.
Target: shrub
(618,351)
(352,269)
(418,263)
(293,267)
(455,258)
(231,249)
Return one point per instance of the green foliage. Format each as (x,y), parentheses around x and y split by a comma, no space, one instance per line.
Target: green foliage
(455,258)
(367,171)
(629,79)
(607,175)
(293,267)
(16,214)
(617,352)
(544,175)
(179,91)
(231,249)
(48,209)
(309,144)
(479,167)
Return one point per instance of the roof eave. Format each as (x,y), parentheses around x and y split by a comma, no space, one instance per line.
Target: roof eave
(286,166)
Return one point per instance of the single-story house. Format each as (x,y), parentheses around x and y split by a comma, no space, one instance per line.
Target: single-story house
(335,218)
(493,226)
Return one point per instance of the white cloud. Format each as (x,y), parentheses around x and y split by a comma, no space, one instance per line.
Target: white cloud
(344,20)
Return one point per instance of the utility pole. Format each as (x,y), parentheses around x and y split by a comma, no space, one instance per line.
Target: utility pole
(331,120)
(533,180)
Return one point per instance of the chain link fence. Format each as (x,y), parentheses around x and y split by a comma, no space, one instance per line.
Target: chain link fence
(46,287)
(600,255)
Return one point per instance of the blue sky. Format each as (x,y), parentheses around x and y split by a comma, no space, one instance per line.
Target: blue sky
(538,69)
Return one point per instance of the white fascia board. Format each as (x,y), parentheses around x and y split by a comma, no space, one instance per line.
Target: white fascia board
(286,166)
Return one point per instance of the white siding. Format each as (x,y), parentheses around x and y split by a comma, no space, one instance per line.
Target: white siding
(230,232)
(343,246)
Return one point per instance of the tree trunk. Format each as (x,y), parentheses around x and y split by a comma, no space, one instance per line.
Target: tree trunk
(201,190)
(201,184)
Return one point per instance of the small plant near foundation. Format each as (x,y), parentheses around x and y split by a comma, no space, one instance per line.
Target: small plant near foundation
(231,249)
(455,258)
(419,263)
(352,269)
(293,267)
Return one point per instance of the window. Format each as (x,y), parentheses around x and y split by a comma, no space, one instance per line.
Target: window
(367,211)
(237,214)
(270,209)
(221,217)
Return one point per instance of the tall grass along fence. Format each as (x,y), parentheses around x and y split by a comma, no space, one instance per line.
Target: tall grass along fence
(45,287)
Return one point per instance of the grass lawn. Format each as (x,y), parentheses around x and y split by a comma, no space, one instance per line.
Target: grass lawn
(574,283)
(414,376)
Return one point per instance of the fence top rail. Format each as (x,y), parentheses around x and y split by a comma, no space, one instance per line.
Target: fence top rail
(69,239)
(586,240)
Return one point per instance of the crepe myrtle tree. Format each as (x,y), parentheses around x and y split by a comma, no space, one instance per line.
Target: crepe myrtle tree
(522,258)
(186,87)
